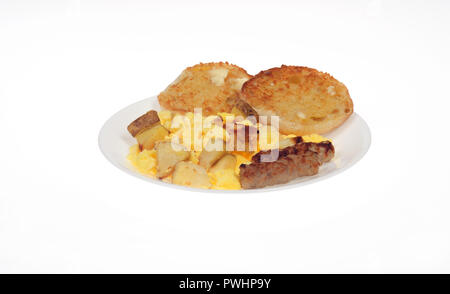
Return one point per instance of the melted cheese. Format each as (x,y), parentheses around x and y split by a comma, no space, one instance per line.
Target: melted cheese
(218,76)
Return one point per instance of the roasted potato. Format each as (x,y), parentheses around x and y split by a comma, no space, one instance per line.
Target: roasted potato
(189,174)
(209,155)
(208,158)
(143,122)
(228,162)
(167,157)
(148,138)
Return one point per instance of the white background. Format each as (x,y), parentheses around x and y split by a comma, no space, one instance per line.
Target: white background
(67,66)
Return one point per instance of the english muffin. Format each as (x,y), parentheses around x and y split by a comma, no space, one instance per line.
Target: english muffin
(206,86)
(306,100)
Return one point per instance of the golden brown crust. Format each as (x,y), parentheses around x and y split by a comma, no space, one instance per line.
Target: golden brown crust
(206,86)
(209,65)
(306,100)
(143,122)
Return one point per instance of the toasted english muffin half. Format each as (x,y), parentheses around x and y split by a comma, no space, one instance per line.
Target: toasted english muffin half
(206,86)
(306,100)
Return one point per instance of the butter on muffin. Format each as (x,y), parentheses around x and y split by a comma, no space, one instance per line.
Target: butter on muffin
(206,86)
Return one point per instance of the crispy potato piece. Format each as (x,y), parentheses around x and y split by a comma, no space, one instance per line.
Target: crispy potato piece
(167,158)
(189,174)
(148,138)
(209,156)
(143,122)
(226,162)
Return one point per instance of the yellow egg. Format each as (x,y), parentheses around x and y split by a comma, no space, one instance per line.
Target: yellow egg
(241,157)
(194,157)
(224,179)
(132,154)
(288,136)
(315,138)
(146,162)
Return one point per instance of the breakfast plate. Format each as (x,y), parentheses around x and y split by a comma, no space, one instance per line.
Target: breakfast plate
(351,140)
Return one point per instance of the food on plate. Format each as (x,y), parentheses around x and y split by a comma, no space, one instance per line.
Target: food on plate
(241,108)
(245,136)
(324,151)
(223,174)
(224,179)
(206,86)
(167,157)
(231,145)
(301,159)
(148,138)
(143,160)
(306,100)
(228,162)
(286,142)
(147,130)
(189,174)
(143,122)
(222,168)
(208,157)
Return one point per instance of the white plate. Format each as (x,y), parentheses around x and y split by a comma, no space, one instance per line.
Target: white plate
(351,141)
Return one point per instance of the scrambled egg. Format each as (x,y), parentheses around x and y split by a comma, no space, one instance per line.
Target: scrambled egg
(182,127)
(242,157)
(315,138)
(144,161)
(224,179)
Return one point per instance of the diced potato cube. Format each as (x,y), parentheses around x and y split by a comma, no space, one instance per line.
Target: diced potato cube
(228,162)
(148,138)
(143,122)
(189,174)
(208,158)
(168,157)
(212,152)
